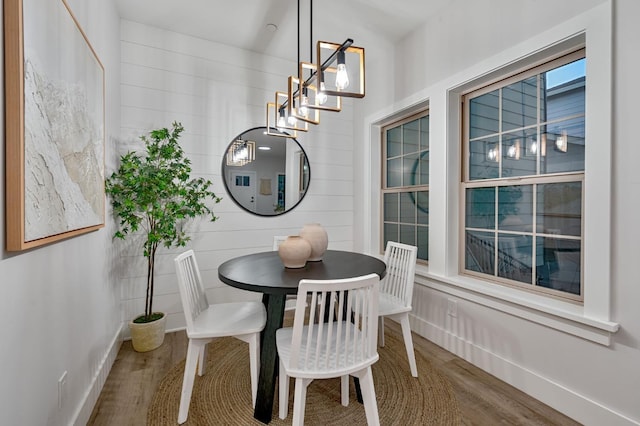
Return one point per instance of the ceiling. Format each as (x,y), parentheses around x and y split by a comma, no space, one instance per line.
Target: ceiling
(244,23)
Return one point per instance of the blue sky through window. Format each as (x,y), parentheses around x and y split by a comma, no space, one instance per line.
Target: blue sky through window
(566,73)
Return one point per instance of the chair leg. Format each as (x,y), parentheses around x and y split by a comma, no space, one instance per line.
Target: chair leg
(369,396)
(408,343)
(344,389)
(283,392)
(299,400)
(254,362)
(193,352)
(202,359)
(381,332)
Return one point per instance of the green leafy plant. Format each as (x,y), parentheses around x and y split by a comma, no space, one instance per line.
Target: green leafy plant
(153,192)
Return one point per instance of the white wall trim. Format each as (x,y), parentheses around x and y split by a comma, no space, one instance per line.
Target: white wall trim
(559,315)
(559,397)
(83,413)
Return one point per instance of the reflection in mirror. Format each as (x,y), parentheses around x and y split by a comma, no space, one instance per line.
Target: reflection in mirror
(265,175)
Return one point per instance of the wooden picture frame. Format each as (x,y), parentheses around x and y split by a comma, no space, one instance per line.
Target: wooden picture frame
(54,121)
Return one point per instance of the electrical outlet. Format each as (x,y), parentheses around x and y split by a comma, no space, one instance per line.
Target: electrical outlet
(62,388)
(452,308)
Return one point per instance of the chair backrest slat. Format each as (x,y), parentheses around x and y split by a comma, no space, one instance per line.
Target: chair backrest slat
(194,299)
(349,335)
(401,265)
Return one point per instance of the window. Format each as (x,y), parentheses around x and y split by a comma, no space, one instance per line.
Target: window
(523,182)
(405,186)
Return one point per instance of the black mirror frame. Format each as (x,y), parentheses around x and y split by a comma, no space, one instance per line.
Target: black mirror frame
(226,186)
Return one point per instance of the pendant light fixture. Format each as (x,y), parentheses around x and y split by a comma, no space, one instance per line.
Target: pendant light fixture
(319,86)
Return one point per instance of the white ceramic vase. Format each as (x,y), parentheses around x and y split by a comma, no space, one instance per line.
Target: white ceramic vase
(294,252)
(318,239)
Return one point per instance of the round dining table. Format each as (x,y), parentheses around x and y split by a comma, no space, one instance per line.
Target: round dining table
(264,273)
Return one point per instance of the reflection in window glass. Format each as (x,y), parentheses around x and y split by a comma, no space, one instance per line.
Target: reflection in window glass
(423,247)
(559,264)
(406,191)
(484,158)
(563,91)
(565,145)
(407,207)
(518,158)
(391,232)
(559,208)
(423,207)
(424,133)
(480,252)
(394,173)
(481,208)
(515,255)
(408,234)
(410,166)
(394,142)
(525,142)
(484,115)
(515,208)
(421,169)
(411,137)
(519,104)
(391,207)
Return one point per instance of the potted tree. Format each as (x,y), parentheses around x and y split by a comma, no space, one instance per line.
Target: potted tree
(153,195)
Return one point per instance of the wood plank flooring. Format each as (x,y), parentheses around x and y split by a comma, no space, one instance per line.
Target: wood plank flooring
(482,399)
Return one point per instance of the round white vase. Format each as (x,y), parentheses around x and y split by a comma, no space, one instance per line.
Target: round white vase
(294,252)
(318,239)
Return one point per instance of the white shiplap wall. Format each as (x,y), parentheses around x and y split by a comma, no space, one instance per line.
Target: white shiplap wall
(218,91)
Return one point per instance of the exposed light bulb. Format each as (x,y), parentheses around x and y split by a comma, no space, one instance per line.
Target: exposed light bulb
(321,97)
(281,120)
(342,77)
(304,102)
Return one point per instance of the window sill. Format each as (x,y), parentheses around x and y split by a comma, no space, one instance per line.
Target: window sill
(557,314)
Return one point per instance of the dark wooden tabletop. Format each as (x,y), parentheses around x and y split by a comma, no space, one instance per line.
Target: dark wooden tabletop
(265,273)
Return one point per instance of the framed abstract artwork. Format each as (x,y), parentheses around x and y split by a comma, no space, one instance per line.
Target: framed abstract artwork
(54,120)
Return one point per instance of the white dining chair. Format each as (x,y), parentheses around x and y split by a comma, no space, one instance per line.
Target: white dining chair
(396,293)
(205,322)
(346,344)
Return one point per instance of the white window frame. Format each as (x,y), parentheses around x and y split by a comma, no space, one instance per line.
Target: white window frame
(528,180)
(383,166)
(592,320)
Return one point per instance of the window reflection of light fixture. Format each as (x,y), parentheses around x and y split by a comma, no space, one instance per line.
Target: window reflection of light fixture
(310,88)
(562,141)
(241,152)
(492,153)
(533,146)
(514,150)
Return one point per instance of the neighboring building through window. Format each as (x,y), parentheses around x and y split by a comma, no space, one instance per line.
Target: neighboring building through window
(405,183)
(523,182)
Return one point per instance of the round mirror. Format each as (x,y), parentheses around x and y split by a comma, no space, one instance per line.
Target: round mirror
(265,175)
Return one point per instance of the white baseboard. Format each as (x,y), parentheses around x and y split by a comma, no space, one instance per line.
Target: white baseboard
(566,401)
(82,415)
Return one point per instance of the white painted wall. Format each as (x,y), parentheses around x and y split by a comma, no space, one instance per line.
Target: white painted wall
(217,92)
(591,382)
(59,304)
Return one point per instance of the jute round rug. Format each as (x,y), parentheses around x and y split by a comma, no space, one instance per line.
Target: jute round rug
(223,395)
